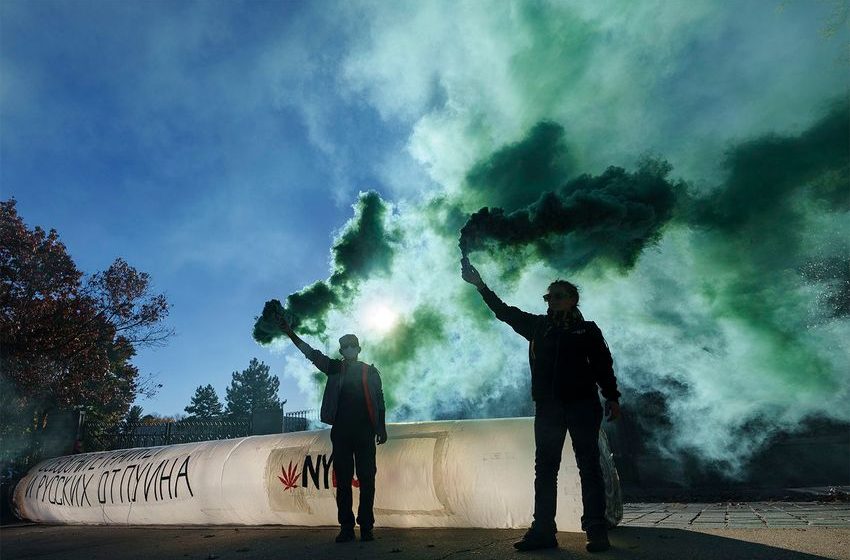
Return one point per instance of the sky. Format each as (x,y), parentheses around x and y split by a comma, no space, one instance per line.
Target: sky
(226,148)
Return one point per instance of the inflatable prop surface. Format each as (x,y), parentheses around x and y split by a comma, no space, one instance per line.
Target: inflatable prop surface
(461,473)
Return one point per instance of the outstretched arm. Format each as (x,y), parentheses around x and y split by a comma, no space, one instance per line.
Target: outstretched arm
(520,321)
(322,362)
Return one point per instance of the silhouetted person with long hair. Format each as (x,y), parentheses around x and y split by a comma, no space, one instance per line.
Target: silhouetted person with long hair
(353,403)
(569,359)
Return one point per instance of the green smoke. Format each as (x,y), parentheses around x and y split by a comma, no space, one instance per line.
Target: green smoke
(834,274)
(766,174)
(773,182)
(425,328)
(611,217)
(516,175)
(708,301)
(755,230)
(267,325)
(365,247)
(760,220)
(722,296)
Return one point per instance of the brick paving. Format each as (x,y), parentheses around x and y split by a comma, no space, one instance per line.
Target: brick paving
(737,515)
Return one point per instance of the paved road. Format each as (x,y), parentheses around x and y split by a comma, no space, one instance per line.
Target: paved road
(650,531)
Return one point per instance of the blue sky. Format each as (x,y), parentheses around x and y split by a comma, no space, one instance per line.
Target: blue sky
(219,146)
(154,132)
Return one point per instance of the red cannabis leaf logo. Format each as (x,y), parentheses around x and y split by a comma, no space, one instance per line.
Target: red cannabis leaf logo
(290,477)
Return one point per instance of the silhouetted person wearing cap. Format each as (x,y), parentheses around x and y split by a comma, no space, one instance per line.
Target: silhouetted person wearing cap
(353,404)
(569,359)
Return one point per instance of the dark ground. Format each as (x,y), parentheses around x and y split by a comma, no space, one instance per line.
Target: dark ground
(652,531)
(301,543)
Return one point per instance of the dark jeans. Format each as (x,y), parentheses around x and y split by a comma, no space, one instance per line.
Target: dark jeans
(552,420)
(350,448)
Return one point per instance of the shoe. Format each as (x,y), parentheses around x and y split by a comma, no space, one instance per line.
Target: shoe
(346,534)
(597,539)
(532,540)
(366,535)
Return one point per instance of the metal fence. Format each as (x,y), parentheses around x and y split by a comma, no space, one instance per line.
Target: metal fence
(299,420)
(152,434)
(168,432)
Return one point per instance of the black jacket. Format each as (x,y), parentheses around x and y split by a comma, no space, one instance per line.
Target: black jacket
(566,362)
(373,392)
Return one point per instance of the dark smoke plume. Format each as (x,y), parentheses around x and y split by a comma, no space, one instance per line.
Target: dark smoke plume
(769,251)
(759,222)
(766,172)
(611,217)
(266,327)
(517,174)
(364,247)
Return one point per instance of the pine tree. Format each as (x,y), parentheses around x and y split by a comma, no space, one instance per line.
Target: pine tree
(205,404)
(134,415)
(252,389)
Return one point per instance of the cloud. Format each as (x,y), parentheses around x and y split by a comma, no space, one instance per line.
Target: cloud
(623,78)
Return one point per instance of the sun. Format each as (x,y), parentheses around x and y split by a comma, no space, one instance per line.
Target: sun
(380,317)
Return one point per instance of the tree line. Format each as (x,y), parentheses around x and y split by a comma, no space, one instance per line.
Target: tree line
(68,339)
(253,388)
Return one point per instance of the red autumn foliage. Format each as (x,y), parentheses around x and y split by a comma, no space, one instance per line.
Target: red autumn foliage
(68,340)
